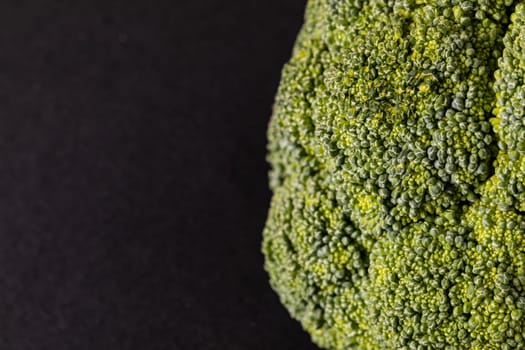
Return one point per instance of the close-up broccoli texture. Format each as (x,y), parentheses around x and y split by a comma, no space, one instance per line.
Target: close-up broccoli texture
(397,153)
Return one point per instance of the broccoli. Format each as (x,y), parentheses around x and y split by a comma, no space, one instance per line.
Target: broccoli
(397,152)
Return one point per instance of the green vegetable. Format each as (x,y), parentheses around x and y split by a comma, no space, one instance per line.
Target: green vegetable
(397,147)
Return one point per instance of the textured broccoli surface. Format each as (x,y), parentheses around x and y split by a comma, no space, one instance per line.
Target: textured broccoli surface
(397,147)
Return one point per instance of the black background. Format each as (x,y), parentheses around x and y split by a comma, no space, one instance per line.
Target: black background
(133,184)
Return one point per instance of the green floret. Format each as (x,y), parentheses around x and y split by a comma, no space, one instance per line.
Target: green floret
(397,147)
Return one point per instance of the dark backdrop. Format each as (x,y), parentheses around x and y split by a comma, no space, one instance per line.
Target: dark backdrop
(133,186)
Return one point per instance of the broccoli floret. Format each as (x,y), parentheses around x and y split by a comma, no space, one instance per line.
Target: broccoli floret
(397,147)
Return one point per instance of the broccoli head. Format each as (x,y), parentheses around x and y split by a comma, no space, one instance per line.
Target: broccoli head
(397,147)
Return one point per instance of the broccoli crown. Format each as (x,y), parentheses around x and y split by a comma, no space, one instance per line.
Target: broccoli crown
(397,147)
